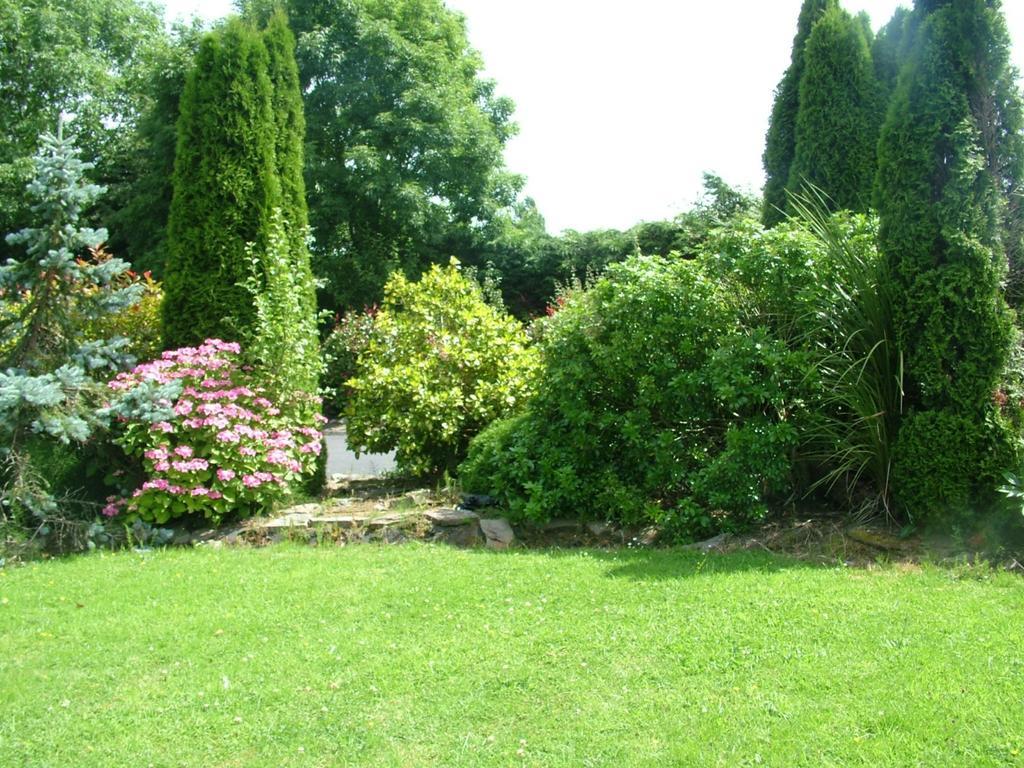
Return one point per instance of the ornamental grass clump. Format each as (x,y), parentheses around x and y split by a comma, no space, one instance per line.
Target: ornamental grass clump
(226,449)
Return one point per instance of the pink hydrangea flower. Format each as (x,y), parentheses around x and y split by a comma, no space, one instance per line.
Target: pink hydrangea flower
(192,465)
(185,451)
(225,475)
(162,426)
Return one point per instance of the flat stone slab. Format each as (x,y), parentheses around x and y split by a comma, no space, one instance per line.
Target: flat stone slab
(446,517)
(339,521)
(498,532)
(383,521)
(291,520)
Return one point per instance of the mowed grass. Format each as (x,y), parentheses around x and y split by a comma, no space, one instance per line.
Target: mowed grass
(428,656)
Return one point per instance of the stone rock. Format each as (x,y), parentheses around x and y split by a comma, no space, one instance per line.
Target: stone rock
(649,536)
(598,529)
(310,510)
(449,517)
(235,537)
(181,539)
(288,520)
(393,536)
(709,545)
(498,532)
(338,521)
(464,536)
(384,521)
(419,497)
(203,536)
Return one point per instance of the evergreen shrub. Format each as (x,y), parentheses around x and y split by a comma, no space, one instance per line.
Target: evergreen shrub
(655,401)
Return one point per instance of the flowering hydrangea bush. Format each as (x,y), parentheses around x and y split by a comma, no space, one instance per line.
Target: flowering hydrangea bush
(226,448)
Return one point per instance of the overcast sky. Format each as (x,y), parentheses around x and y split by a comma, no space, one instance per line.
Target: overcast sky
(622,106)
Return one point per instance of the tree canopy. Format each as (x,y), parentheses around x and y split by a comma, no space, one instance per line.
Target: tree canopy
(84,58)
(405,139)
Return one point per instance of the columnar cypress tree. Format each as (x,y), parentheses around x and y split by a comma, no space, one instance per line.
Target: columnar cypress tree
(839,113)
(225,188)
(940,201)
(780,143)
(891,48)
(290,134)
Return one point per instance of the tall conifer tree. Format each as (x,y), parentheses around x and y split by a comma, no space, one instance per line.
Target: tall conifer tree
(780,143)
(941,201)
(839,113)
(225,188)
(290,135)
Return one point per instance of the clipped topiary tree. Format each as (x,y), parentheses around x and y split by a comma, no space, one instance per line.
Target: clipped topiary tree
(839,116)
(941,205)
(780,142)
(226,187)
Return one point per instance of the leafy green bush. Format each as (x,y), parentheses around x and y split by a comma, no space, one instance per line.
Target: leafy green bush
(655,401)
(139,323)
(820,284)
(341,349)
(441,365)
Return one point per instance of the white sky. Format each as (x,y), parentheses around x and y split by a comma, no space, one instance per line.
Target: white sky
(622,106)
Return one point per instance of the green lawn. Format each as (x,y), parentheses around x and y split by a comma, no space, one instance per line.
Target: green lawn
(426,656)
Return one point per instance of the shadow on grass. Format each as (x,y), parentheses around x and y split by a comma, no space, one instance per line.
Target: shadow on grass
(665,564)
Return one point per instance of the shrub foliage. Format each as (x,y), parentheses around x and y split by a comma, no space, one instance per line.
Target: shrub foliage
(655,400)
(441,364)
